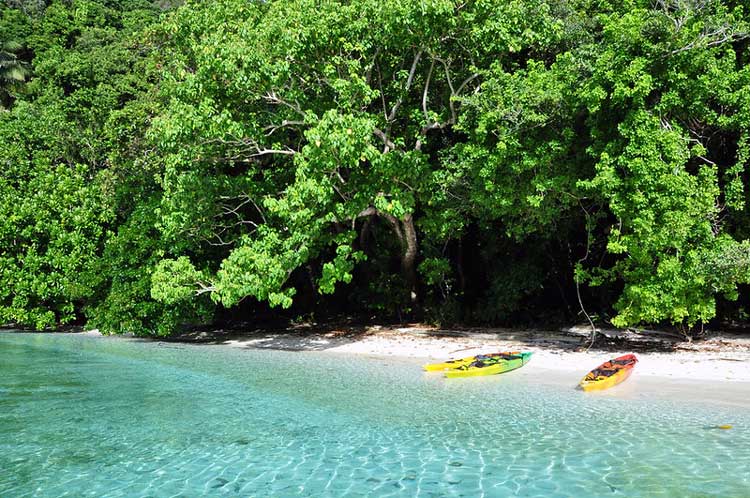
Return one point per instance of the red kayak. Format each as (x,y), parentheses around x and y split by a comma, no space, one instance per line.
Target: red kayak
(610,373)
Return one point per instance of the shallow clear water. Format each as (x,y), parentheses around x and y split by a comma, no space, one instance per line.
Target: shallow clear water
(83,416)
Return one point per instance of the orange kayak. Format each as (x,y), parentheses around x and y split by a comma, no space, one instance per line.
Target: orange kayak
(610,373)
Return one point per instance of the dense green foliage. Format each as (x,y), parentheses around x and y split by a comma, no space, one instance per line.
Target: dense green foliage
(479,162)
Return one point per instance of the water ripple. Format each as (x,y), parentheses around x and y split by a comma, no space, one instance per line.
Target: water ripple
(87,417)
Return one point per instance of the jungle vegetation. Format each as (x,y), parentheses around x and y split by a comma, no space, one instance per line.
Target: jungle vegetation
(171,164)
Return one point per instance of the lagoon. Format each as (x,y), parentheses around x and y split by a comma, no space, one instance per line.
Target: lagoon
(88,416)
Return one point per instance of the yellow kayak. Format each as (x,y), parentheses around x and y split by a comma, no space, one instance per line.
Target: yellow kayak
(452,364)
(502,363)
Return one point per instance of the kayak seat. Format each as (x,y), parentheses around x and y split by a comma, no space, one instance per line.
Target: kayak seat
(604,372)
(622,362)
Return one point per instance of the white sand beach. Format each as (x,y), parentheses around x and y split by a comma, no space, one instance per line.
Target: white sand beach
(713,370)
(716,368)
(716,358)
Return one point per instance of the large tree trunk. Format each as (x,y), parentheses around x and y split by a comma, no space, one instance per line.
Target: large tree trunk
(409,256)
(406,234)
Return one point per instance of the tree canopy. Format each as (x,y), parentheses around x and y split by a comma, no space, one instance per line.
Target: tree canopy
(480,162)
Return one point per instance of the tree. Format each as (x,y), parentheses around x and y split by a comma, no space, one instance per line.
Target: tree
(62,193)
(474,161)
(319,127)
(670,145)
(12,71)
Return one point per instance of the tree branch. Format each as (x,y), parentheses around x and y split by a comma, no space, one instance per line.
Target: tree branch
(427,89)
(271,129)
(466,82)
(409,81)
(372,211)
(248,148)
(272,98)
(204,288)
(386,141)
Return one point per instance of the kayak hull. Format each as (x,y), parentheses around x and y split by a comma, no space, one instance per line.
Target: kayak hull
(448,365)
(493,366)
(599,378)
(458,363)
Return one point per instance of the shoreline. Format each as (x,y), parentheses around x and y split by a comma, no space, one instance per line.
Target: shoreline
(715,370)
(717,359)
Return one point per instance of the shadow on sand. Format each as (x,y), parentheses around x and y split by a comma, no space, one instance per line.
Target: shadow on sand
(309,337)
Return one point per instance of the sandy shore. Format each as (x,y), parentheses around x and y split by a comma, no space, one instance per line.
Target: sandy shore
(715,370)
(719,358)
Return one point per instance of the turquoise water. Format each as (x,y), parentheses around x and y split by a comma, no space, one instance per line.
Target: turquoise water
(84,416)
